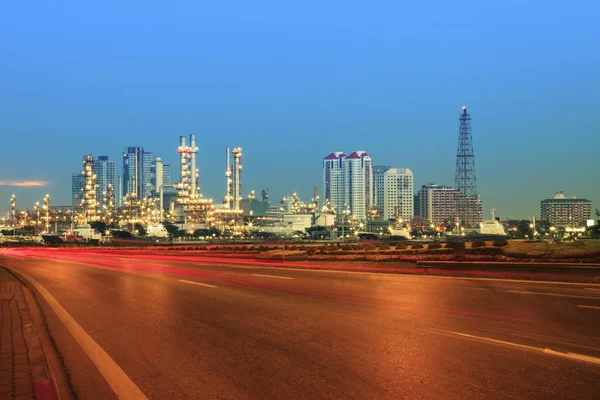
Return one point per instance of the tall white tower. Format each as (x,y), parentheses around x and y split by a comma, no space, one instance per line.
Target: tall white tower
(183,186)
(236,178)
(358,183)
(333,180)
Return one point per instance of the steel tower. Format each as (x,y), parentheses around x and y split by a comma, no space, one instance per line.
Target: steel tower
(464,179)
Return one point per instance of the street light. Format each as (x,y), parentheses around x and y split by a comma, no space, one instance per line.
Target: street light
(37,212)
(344,214)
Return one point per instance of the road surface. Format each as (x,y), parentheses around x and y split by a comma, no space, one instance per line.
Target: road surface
(182,328)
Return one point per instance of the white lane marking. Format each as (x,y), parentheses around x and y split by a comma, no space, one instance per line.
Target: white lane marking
(592,307)
(553,294)
(400,275)
(573,356)
(197,283)
(273,276)
(117,379)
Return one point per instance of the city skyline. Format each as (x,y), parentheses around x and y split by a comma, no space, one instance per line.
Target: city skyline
(287,95)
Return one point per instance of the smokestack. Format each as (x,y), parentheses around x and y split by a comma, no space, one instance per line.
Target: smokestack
(237,172)
(120,191)
(158,174)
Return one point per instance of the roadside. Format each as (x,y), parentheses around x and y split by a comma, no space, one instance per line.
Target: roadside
(23,368)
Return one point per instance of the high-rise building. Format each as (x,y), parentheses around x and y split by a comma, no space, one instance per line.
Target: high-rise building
(333,180)
(348,182)
(166,174)
(105,176)
(566,211)
(436,203)
(417,206)
(77,183)
(378,193)
(398,197)
(137,174)
(358,183)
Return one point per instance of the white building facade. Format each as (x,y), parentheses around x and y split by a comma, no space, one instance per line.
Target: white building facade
(333,180)
(398,194)
(358,183)
(348,182)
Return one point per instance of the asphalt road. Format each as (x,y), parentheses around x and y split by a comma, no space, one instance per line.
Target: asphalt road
(181,327)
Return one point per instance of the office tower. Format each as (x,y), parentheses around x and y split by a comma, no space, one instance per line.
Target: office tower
(77,182)
(137,174)
(358,183)
(398,197)
(566,211)
(378,193)
(105,176)
(166,174)
(333,180)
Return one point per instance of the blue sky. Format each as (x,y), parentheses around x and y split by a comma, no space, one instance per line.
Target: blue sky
(291,82)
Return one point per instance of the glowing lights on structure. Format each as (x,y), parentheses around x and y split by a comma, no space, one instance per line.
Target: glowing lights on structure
(89,203)
(13,209)
(236,180)
(46,208)
(108,207)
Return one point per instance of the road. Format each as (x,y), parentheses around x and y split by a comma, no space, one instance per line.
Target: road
(183,328)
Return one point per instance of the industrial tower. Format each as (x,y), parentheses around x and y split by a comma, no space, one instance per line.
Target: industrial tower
(89,202)
(468,206)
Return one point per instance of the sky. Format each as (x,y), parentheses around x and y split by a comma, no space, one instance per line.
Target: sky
(290,82)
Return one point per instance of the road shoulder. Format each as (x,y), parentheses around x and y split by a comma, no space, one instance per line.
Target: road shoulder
(23,366)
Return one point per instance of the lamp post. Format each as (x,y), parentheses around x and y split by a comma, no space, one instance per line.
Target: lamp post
(47,210)
(13,209)
(552,230)
(37,212)
(344,214)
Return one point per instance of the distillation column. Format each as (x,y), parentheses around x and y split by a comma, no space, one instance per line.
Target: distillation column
(237,172)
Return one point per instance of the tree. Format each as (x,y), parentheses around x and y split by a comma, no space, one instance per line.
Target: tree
(523,228)
(207,232)
(170,228)
(140,229)
(316,228)
(99,226)
(594,231)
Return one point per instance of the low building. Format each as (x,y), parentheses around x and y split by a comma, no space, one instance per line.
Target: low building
(566,211)
(254,208)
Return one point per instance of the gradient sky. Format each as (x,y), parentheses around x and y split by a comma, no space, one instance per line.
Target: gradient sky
(291,82)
